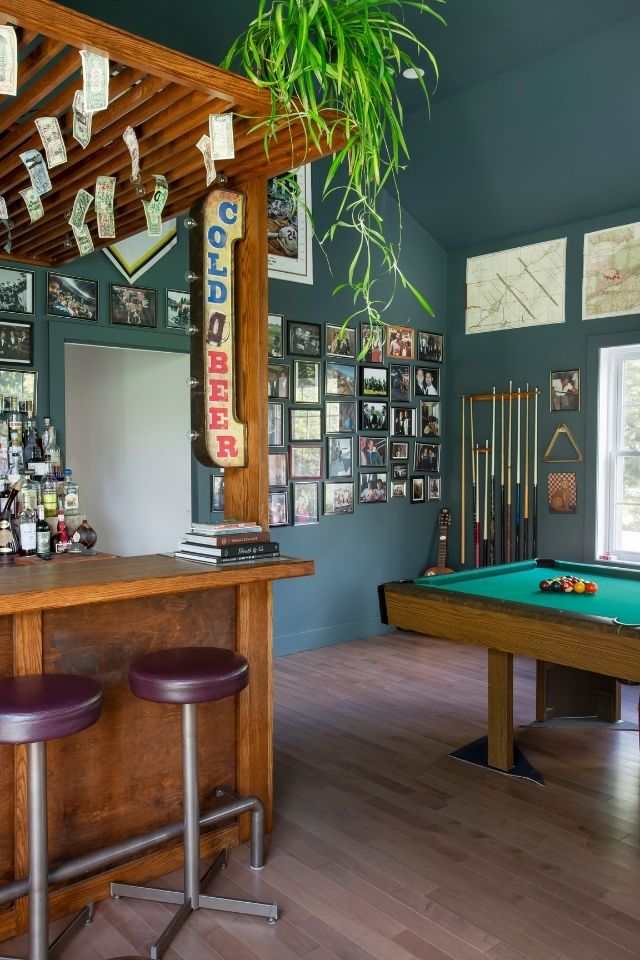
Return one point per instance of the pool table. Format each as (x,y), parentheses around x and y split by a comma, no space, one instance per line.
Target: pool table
(502,608)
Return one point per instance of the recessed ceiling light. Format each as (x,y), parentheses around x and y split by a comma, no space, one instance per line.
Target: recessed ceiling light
(412,74)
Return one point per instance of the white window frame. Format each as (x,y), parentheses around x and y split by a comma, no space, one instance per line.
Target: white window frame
(611,451)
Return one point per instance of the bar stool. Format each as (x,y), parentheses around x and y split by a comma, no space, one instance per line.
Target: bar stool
(34,709)
(188,676)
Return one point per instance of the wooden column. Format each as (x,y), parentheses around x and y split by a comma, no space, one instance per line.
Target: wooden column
(500,672)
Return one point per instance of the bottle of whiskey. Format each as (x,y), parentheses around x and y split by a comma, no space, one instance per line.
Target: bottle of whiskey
(27,531)
(49,495)
(43,535)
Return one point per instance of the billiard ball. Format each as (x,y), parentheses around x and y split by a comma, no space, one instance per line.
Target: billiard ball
(556,586)
(545,585)
(578,587)
(590,587)
(567,587)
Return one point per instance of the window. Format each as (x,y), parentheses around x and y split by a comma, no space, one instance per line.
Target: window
(618,502)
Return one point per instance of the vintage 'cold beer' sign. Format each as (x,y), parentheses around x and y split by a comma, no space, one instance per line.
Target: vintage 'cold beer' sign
(221,438)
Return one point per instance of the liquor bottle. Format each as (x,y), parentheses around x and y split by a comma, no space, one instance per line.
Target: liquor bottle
(15,421)
(49,495)
(32,449)
(8,545)
(4,435)
(71,493)
(46,423)
(5,490)
(43,535)
(52,451)
(27,531)
(63,540)
(29,493)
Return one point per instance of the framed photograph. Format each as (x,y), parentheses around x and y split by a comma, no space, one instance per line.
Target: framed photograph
(275,335)
(306,381)
(290,254)
(217,492)
(340,416)
(372,451)
(278,380)
(338,498)
(417,490)
(400,343)
(304,339)
(427,382)
(178,310)
(373,487)
(400,471)
(16,290)
(72,297)
(278,508)
(374,415)
(275,421)
(426,457)
(21,384)
(339,342)
(434,488)
(403,421)
(339,379)
(133,306)
(278,470)
(399,450)
(16,342)
(374,381)
(400,377)
(305,461)
(305,424)
(564,390)
(371,338)
(430,347)
(339,457)
(399,489)
(305,503)
(561,492)
(429,419)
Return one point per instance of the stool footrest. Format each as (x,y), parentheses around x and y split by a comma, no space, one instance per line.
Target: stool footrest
(250,907)
(147,893)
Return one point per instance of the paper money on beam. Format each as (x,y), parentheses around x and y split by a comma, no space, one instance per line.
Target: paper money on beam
(51,136)
(81,120)
(204,146)
(95,81)
(37,169)
(33,203)
(83,239)
(105,192)
(221,136)
(81,206)
(8,61)
(129,137)
(153,208)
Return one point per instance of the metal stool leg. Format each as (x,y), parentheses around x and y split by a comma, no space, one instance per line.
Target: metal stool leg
(38,852)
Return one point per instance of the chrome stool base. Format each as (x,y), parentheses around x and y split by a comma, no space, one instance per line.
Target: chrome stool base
(81,919)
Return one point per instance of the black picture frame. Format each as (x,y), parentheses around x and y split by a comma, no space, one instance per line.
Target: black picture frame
(306,502)
(16,290)
(340,416)
(374,415)
(275,424)
(217,492)
(279,508)
(339,379)
(426,382)
(373,487)
(339,457)
(278,469)
(178,307)
(400,471)
(304,339)
(16,343)
(426,457)
(399,450)
(339,342)
(400,382)
(373,451)
(371,343)
(430,347)
(430,419)
(71,298)
(338,498)
(417,490)
(278,380)
(305,461)
(403,422)
(305,423)
(275,335)
(374,381)
(132,306)
(398,489)
(306,381)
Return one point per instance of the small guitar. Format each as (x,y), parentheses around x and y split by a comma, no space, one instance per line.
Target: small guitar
(444,521)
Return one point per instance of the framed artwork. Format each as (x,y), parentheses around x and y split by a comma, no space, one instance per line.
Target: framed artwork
(400,378)
(339,457)
(178,310)
(16,290)
(340,416)
(338,498)
(278,470)
(305,461)
(374,381)
(16,342)
(275,421)
(400,471)
(305,424)
(306,380)
(399,450)
(434,488)
(133,306)
(426,457)
(374,415)
(417,490)
(217,492)
(275,335)
(561,492)
(426,382)
(399,489)
(339,342)
(305,503)
(429,419)
(278,380)
(430,347)
(278,508)
(339,379)
(372,451)
(20,384)
(304,339)
(371,338)
(373,487)
(403,421)
(290,255)
(71,297)
(400,343)
(564,390)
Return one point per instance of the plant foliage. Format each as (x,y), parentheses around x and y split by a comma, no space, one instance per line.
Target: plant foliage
(332,65)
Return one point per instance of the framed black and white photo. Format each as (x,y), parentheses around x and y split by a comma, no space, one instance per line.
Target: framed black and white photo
(374,381)
(372,451)
(433,488)
(289,236)
(426,457)
(403,421)
(133,306)
(305,424)
(275,335)
(373,487)
(340,416)
(217,492)
(430,347)
(564,390)
(16,290)
(305,461)
(306,381)
(339,379)
(338,498)
(278,470)
(417,490)
(278,380)
(374,415)
(304,339)
(426,382)
(400,379)
(399,489)
(339,457)
(72,297)
(178,310)
(306,508)
(429,419)
(278,508)
(371,337)
(400,471)
(275,424)
(399,450)
(340,342)
(16,342)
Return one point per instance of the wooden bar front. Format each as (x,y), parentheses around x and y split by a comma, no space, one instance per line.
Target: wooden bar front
(122,777)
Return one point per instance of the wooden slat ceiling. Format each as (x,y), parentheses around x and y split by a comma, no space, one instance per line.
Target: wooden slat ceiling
(164,95)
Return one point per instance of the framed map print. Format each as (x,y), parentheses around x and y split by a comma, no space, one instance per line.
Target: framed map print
(610,285)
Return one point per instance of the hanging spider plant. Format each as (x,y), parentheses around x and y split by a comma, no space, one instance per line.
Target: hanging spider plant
(332,65)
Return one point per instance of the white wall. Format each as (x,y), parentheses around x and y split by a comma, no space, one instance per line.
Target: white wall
(127,419)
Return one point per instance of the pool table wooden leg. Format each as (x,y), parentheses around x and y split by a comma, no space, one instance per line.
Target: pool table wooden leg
(500,691)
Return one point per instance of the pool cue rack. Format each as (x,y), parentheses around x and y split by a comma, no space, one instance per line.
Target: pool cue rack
(499,496)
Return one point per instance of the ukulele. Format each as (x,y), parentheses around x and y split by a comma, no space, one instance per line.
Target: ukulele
(444,521)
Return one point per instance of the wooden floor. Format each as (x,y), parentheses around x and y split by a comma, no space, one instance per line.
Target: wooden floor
(386,848)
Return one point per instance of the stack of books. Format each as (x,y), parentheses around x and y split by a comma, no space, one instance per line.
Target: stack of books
(231,541)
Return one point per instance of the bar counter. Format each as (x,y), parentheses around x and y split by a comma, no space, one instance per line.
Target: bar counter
(122,777)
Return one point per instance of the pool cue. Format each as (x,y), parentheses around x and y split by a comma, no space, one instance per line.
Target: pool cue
(507,526)
(492,493)
(534,530)
(463,494)
(485,526)
(476,518)
(502,500)
(474,489)
(525,512)
(518,495)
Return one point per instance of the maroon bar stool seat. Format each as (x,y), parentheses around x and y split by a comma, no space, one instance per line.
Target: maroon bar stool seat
(33,710)
(188,676)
